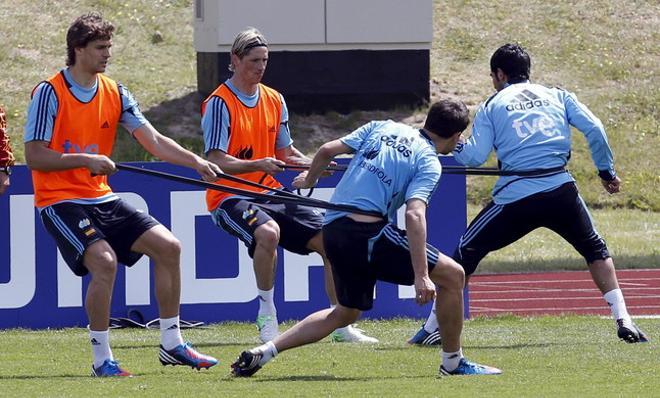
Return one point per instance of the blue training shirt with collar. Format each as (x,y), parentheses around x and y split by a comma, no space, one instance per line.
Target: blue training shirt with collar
(393,163)
(42,112)
(215,121)
(529,127)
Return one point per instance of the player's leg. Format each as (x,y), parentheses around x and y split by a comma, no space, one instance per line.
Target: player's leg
(81,241)
(131,234)
(346,245)
(496,226)
(569,217)
(252,224)
(344,334)
(392,263)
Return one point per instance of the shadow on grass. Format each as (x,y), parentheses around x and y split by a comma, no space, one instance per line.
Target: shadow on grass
(490,266)
(44,377)
(325,378)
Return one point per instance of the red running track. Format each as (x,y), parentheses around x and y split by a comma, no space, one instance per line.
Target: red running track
(561,292)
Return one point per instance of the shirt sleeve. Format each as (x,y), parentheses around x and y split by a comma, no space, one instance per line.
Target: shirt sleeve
(582,119)
(41,114)
(215,125)
(284,135)
(131,116)
(358,136)
(426,178)
(475,150)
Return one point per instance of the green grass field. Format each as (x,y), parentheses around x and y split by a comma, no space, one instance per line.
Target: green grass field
(545,356)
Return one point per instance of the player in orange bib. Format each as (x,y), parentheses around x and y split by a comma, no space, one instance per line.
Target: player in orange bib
(246,133)
(69,136)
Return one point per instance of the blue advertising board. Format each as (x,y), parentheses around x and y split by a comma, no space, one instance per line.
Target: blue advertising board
(37,290)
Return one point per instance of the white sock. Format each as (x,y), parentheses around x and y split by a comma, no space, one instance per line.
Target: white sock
(100,341)
(266,303)
(268,352)
(345,328)
(614,299)
(170,333)
(432,321)
(450,360)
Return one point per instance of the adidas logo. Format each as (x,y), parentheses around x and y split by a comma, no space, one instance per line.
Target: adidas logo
(173,327)
(94,342)
(84,223)
(527,100)
(105,125)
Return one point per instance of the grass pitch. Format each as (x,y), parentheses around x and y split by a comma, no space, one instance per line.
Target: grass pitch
(544,356)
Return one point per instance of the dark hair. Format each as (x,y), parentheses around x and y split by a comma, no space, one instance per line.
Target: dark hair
(86,28)
(447,117)
(514,62)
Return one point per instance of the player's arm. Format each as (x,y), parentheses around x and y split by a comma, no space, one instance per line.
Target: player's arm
(474,150)
(588,124)
(416,233)
(168,150)
(322,159)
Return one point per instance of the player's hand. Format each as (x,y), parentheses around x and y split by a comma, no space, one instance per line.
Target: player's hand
(208,170)
(270,165)
(424,290)
(301,182)
(100,165)
(612,186)
(4,182)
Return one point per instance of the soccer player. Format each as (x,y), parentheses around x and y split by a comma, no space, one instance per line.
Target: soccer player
(69,136)
(394,164)
(6,156)
(528,126)
(246,133)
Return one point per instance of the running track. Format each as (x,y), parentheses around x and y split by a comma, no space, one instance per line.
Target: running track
(561,292)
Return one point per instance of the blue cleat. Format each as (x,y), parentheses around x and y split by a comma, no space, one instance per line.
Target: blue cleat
(110,368)
(467,368)
(185,354)
(629,332)
(422,337)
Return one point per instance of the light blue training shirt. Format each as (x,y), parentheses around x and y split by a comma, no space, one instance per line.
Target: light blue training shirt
(393,163)
(215,121)
(528,126)
(42,112)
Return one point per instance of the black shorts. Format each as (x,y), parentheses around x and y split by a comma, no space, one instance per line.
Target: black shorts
(561,210)
(76,226)
(241,217)
(362,253)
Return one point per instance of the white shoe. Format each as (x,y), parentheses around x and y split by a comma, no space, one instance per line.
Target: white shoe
(351,334)
(268,328)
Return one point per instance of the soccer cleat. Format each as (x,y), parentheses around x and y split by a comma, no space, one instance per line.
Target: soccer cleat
(422,337)
(246,365)
(268,329)
(351,334)
(110,368)
(629,332)
(467,368)
(185,354)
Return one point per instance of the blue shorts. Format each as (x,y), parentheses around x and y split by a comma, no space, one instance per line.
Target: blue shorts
(362,253)
(561,210)
(241,217)
(75,227)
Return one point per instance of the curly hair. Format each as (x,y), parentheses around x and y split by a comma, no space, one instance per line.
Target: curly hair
(86,28)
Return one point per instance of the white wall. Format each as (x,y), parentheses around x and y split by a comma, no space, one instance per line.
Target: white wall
(304,25)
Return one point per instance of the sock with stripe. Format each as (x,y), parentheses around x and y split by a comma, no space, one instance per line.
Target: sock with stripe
(450,360)
(614,299)
(170,333)
(100,341)
(266,303)
(432,321)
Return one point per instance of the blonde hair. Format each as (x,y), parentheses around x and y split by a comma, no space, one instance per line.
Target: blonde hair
(245,41)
